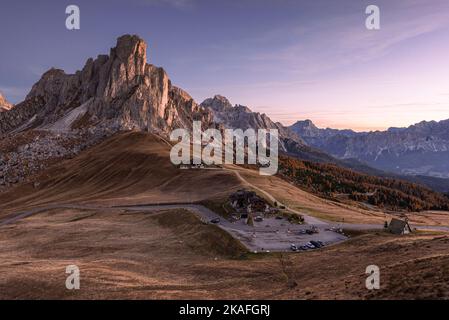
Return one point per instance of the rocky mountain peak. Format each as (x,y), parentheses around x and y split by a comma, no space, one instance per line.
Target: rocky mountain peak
(309,123)
(130,47)
(121,89)
(242,117)
(305,128)
(306,124)
(218,103)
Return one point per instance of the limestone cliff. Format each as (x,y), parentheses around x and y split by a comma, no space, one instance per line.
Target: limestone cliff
(120,88)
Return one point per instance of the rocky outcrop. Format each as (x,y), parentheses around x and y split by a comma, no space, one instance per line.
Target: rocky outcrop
(241,117)
(4,104)
(120,88)
(227,116)
(27,153)
(313,135)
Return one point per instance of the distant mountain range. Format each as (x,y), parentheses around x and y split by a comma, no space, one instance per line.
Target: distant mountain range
(419,150)
(307,142)
(225,115)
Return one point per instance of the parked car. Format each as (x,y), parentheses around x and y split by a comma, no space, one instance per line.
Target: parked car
(293,247)
(279,218)
(316,244)
(312,230)
(304,248)
(258,219)
(310,245)
(216,220)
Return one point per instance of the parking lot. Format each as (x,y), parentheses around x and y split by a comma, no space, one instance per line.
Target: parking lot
(278,235)
(271,234)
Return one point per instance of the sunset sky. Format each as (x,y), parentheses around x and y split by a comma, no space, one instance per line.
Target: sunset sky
(290,59)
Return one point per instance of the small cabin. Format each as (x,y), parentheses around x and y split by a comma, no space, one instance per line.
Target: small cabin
(398,226)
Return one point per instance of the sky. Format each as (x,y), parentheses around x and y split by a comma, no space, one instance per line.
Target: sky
(290,59)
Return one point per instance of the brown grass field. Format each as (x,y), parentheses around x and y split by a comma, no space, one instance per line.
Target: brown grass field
(130,168)
(171,255)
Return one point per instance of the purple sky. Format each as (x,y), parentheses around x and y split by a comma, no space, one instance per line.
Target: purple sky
(290,59)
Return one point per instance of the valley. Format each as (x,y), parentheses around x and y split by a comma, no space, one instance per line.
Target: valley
(124,246)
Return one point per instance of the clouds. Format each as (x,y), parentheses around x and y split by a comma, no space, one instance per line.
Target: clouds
(343,40)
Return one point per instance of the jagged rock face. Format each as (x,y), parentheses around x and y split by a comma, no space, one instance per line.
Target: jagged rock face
(241,117)
(121,89)
(20,116)
(66,113)
(4,104)
(421,149)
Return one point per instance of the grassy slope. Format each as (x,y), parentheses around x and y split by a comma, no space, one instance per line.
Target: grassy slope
(330,180)
(172,255)
(128,168)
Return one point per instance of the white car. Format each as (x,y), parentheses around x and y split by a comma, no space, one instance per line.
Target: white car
(310,246)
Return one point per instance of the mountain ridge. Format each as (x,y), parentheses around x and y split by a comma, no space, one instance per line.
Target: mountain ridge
(420,149)
(228,116)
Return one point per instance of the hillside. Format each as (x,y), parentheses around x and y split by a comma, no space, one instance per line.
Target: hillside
(332,181)
(129,168)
